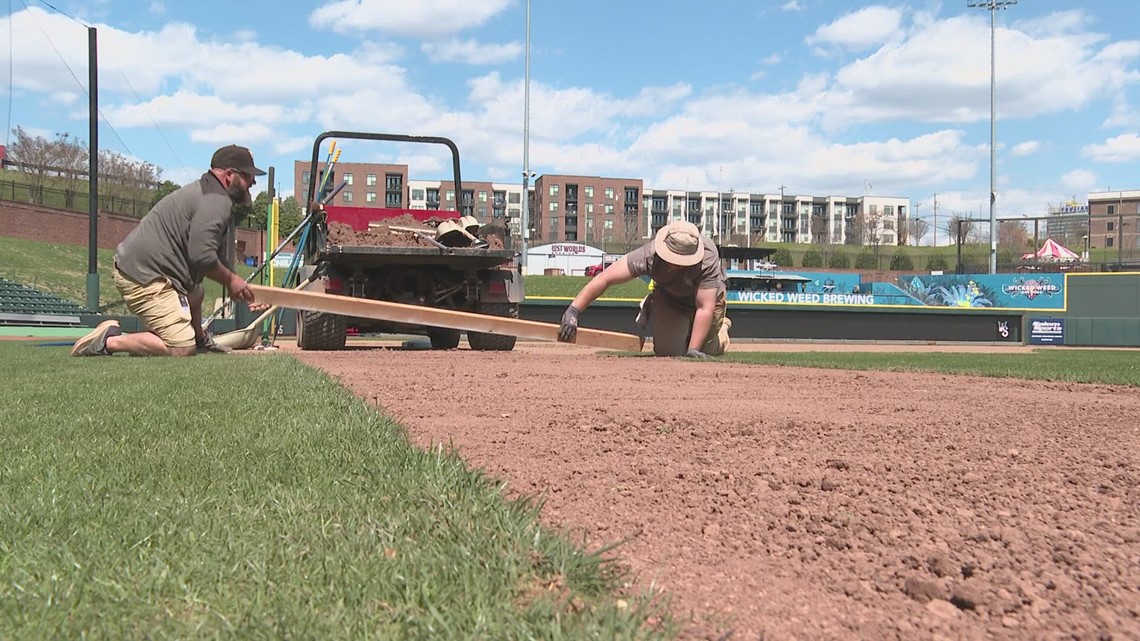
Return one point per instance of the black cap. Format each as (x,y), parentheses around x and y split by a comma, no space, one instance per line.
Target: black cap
(235,157)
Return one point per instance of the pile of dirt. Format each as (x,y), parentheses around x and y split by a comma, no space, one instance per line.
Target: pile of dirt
(379,236)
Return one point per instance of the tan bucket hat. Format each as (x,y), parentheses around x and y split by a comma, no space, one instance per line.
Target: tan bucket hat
(679,243)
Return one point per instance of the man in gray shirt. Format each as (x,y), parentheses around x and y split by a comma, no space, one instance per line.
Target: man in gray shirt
(159,267)
(685,309)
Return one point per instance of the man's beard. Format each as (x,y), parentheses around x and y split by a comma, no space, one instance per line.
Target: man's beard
(239,195)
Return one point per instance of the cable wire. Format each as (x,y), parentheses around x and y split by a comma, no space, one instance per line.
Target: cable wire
(11,77)
(156,127)
(57,10)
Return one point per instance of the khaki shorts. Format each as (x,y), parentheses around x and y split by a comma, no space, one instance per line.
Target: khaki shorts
(672,328)
(160,307)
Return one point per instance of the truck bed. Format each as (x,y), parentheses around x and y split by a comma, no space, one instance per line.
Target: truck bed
(378,256)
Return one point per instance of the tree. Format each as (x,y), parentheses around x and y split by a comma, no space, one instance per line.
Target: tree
(819,229)
(630,227)
(903,227)
(918,228)
(290,216)
(856,226)
(1012,235)
(961,227)
(901,261)
(937,262)
(839,260)
(866,259)
(783,257)
(812,258)
(166,188)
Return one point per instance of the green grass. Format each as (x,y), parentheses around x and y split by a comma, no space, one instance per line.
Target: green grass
(199,498)
(1113,367)
(569,286)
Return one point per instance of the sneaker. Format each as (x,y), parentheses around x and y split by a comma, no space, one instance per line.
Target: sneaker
(207,344)
(95,343)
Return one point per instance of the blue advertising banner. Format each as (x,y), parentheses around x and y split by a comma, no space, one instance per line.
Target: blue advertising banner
(1046,331)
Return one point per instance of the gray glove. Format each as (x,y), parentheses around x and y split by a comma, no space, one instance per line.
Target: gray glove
(569,329)
(695,353)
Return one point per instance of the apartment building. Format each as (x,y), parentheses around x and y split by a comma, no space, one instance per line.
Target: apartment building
(743,218)
(367,184)
(621,212)
(1114,217)
(598,211)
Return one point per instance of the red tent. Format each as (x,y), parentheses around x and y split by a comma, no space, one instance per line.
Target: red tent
(1052,251)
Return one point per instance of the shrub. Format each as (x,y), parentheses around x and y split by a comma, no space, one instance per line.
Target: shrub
(866,260)
(937,262)
(839,260)
(812,258)
(902,261)
(783,258)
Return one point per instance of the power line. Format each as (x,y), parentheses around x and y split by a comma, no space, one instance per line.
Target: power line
(156,127)
(57,10)
(81,86)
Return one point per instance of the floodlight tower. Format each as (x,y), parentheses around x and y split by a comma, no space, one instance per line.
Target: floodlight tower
(993,6)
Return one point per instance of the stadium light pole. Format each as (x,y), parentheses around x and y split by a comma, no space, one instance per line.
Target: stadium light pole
(993,6)
(524,231)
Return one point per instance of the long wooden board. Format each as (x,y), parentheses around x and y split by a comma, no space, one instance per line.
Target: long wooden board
(434,317)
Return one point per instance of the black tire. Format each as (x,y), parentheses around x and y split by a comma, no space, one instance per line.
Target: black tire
(443,338)
(494,342)
(320,331)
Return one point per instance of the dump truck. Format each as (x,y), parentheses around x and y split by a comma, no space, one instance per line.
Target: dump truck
(416,265)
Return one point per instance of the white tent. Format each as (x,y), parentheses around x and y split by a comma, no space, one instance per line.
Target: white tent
(1052,251)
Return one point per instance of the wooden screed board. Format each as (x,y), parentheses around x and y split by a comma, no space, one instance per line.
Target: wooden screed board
(434,317)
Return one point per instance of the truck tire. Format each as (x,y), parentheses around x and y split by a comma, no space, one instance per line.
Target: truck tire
(443,338)
(321,331)
(494,342)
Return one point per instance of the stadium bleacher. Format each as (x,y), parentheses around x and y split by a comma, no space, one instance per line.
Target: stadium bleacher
(20,304)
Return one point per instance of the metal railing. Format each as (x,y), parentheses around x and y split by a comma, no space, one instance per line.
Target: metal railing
(70,199)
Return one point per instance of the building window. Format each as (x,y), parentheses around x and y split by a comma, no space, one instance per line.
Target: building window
(1111,226)
(589,191)
(1108,241)
(553,224)
(370,180)
(609,210)
(888,210)
(514,198)
(370,197)
(590,209)
(348,179)
(482,212)
(554,190)
(609,193)
(417,194)
(392,200)
(482,196)
(553,207)
(1111,209)
(394,181)
(304,177)
(609,224)
(450,195)
(347,196)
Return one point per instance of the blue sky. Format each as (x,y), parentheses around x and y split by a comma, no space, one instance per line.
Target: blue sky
(822,96)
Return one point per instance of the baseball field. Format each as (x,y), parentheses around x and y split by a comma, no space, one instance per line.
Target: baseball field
(559,492)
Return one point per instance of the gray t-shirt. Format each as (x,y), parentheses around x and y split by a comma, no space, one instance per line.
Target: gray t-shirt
(185,235)
(679,287)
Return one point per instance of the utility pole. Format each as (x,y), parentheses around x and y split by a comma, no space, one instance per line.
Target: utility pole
(93,171)
(935,220)
(524,231)
(781,215)
(917,208)
(993,6)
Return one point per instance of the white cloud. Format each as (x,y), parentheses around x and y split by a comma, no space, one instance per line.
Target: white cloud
(792,5)
(419,19)
(1026,148)
(1123,114)
(859,30)
(1078,180)
(773,59)
(923,79)
(1123,148)
(249,133)
(471,52)
(190,109)
(157,7)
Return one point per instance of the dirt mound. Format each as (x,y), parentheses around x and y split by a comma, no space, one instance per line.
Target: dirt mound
(380,236)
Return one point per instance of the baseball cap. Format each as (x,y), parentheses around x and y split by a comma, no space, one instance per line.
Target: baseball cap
(679,243)
(235,157)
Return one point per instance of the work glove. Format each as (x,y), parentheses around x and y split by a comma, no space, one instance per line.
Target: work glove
(696,353)
(568,331)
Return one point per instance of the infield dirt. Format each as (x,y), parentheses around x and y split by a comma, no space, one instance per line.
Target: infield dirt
(789,503)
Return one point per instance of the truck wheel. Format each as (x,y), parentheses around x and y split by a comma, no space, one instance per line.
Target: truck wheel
(494,342)
(321,331)
(443,338)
